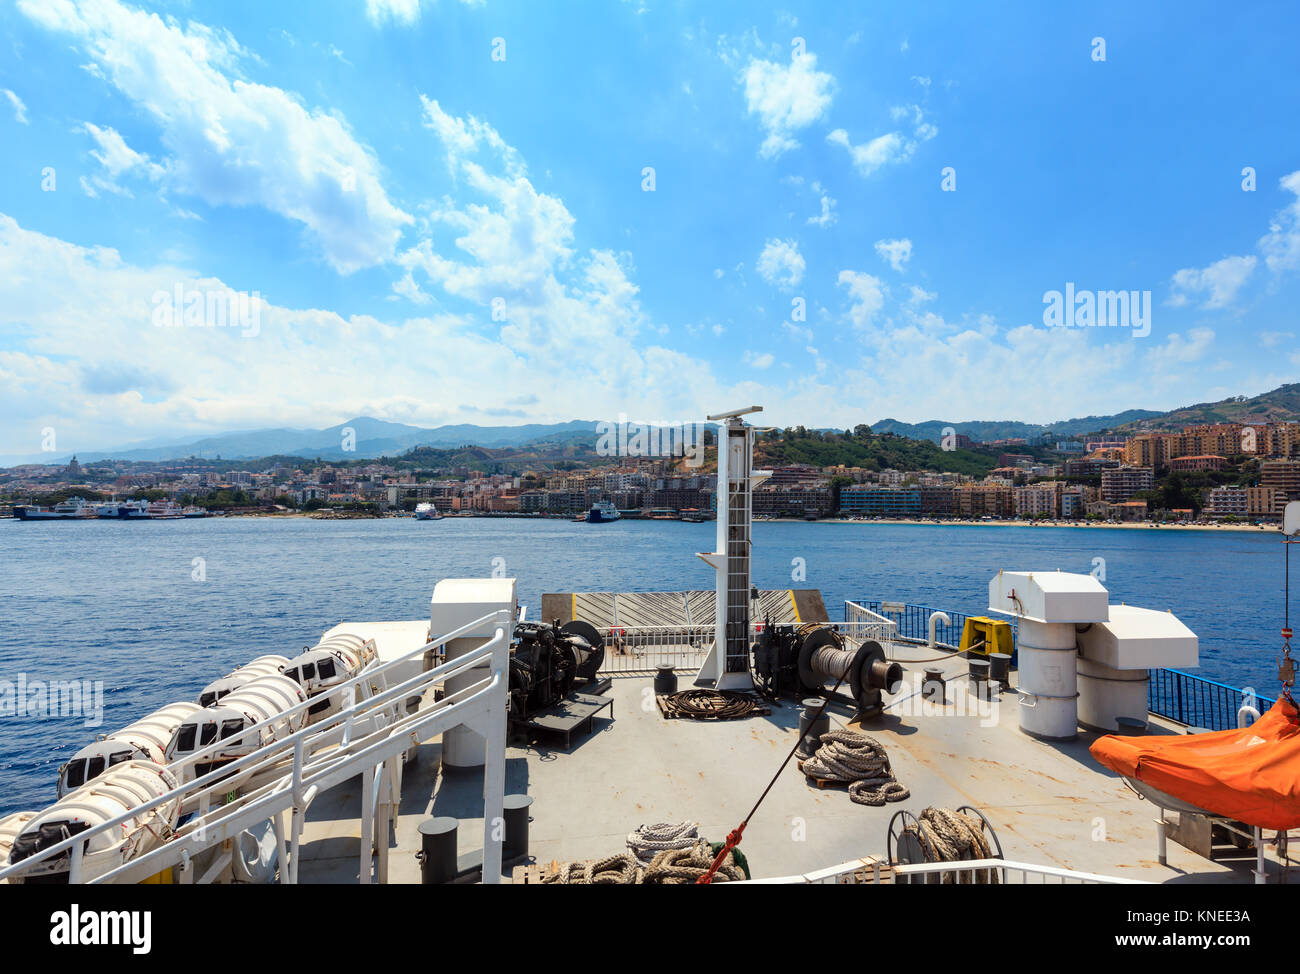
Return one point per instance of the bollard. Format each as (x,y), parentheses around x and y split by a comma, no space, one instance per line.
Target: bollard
(979,670)
(933,687)
(665,680)
(1000,668)
(437,853)
(810,731)
(515,810)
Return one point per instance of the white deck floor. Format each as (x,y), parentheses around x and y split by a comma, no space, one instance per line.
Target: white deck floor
(1050,803)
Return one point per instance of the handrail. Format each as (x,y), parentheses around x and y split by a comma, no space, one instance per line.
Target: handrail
(311,777)
(205,783)
(879,872)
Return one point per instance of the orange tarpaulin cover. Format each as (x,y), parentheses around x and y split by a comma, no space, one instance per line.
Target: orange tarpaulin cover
(1250,775)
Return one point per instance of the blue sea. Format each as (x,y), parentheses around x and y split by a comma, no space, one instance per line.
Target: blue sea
(156,610)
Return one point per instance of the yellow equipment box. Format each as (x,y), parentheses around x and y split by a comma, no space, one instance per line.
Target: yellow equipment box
(982,635)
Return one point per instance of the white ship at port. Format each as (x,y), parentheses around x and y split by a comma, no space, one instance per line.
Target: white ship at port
(72,509)
(409,715)
(427,511)
(602,512)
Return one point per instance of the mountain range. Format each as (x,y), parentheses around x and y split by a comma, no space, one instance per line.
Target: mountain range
(376,437)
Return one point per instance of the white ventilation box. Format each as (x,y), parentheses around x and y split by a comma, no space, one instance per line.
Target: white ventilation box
(1139,639)
(1052,597)
(458,601)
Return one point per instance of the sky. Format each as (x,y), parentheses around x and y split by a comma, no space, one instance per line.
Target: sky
(219,216)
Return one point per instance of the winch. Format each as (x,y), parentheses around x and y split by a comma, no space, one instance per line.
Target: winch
(798,661)
(546,661)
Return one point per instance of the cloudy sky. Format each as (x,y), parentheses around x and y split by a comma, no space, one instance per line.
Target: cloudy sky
(505,211)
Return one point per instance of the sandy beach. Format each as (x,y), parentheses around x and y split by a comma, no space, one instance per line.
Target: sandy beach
(1092,525)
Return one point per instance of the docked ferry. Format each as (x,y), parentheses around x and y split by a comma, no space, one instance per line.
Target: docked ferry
(602,513)
(72,509)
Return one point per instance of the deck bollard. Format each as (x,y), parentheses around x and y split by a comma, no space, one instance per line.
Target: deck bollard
(810,730)
(437,853)
(515,811)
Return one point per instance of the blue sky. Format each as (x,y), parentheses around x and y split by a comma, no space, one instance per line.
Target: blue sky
(441,208)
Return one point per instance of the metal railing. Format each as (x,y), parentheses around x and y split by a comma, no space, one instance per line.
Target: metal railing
(913,621)
(1198,702)
(873,872)
(368,737)
(638,650)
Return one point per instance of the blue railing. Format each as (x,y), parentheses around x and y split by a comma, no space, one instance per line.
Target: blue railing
(914,621)
(1196,701)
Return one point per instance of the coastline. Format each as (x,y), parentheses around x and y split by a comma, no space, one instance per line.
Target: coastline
(958,522)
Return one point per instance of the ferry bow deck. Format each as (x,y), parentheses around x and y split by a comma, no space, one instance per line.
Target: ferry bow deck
(1050,803)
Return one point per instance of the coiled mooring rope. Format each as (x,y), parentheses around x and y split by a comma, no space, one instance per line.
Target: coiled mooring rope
(670,867)
(702,704)
(650,840)
(859,760)
(948,836)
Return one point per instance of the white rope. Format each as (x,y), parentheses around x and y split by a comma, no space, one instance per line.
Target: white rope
(648,840)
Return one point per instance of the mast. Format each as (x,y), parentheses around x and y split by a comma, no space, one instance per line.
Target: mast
(728,663)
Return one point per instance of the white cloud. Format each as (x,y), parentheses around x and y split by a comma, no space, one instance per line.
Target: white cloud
(16,103)
(404,13)
(756,361)
(867,294)
(1180,349)
(896,253)
(115,158)
(1222,279)
(780,263)
(234,142)
(786,98)
(890,148)
(1281,246)
(918,296)
(827,217)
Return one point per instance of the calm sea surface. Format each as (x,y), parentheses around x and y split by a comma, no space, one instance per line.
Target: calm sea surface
(118,602)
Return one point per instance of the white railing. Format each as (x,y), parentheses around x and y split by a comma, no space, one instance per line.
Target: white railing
(871,625)
(641,649)
(873,872)
(368,737)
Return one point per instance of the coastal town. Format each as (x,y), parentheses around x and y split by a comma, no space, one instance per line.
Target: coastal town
(1206,473)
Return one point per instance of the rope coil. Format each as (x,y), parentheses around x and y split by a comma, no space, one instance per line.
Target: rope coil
(669,867)
(947,836)
(861,762)
(702,704)
(649,840)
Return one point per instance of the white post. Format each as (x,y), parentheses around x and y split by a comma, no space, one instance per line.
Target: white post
(494,770)
(365,866)
(281,848)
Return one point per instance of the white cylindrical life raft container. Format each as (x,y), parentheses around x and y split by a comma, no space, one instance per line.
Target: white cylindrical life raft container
(334,660)
(238,677)
(225,724)
(1048,686)
(10,826)
(1106,694)
(121,789)
(145,740)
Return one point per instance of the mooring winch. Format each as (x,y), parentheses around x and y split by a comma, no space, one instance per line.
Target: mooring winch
(547,659)
(812,658)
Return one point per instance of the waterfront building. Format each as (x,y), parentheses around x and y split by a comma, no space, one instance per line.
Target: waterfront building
(1122,483)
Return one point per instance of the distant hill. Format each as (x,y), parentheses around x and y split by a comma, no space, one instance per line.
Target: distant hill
(370,438)
(985,430)
(871,451)
(1280,405)
(1283,403)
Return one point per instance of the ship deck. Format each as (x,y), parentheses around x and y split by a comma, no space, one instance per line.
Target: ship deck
(1050,803)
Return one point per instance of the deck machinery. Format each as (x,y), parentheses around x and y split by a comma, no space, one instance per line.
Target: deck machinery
(812,660)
